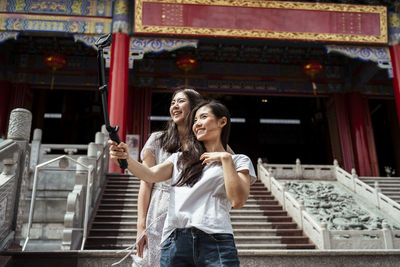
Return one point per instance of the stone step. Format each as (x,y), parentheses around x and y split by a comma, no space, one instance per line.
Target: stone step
(91,245)
(110,232)
(260,193)
(391,192)
(111,200)
(241,241)
(121,191)
(112,212)
(264,197)
(254,234)
(253,226)
(387,185)
(264,225)
(271,240)
(119,195)
(259,212)
(260,246)
(266,232)
(249,214)
(122,241)
(114,225)
(109,218)
(117,211)
(105,206)
(97,244)
(300,246)
(261,207)
(380,180)
(262,202)
(130,181)
(130,186)
(258,188)
(250,219)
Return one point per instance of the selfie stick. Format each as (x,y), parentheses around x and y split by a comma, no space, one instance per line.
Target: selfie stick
(102,42)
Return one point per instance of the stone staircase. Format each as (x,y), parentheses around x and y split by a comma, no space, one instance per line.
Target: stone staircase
(260,225)
(114,224)
(390,186)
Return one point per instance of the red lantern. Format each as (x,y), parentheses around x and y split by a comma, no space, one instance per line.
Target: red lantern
(186,63)
(311,69)
(55,61)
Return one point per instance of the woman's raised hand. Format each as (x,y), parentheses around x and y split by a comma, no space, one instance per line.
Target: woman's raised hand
(119,151)
(208,157)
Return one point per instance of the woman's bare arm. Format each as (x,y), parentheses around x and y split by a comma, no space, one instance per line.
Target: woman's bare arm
(157,173)
(237,183)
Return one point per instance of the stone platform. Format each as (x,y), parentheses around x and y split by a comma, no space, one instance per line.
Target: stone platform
(281,258)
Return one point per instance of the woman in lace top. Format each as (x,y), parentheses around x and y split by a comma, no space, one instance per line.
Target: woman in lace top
(153,198)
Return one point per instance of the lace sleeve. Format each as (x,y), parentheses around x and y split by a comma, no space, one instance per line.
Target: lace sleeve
(152,144)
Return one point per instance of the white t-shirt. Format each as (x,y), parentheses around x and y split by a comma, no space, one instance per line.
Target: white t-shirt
(205,205)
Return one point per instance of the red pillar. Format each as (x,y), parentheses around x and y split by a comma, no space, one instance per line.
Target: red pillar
(140,113)
(5,93)
(359,135)
(118,94)
(344,132)
(395,58)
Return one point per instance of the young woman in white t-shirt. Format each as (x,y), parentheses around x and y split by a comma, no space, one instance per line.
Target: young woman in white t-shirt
(206,183)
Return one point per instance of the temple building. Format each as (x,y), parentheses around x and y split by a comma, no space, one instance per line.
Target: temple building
(317,81)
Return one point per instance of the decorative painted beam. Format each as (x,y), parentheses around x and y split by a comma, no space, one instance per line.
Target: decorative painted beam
(46,23)
(379,55)
(120,18)
(4,36)
(97,8)
(394,28)
(263,19)
(140,46)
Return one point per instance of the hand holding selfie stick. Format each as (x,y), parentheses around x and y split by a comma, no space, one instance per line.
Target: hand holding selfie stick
(101,43)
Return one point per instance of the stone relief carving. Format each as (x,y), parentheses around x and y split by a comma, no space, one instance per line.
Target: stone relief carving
(339,208)
(20,124)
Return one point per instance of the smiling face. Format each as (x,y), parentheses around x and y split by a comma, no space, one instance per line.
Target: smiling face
(179,108)
(206,126)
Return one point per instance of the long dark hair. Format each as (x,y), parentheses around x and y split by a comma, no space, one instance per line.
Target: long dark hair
(169,139)
(189,162)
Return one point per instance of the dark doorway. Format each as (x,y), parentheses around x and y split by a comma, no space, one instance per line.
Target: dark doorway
(386,135)
(275,128)
(67,116)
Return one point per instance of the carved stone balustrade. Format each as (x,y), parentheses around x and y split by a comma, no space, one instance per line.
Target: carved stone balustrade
(335,209)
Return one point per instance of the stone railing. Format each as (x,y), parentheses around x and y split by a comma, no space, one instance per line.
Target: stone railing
(299,171)
(317,230)
(75,226)
(58,215)
(43,152)
(372,195)
(14,153)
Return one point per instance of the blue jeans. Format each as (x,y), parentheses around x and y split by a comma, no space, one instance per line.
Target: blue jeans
(192,247)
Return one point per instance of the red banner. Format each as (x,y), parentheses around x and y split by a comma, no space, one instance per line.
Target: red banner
(263,19)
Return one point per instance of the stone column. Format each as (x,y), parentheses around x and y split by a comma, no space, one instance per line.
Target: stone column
(119,71)
(19,130)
